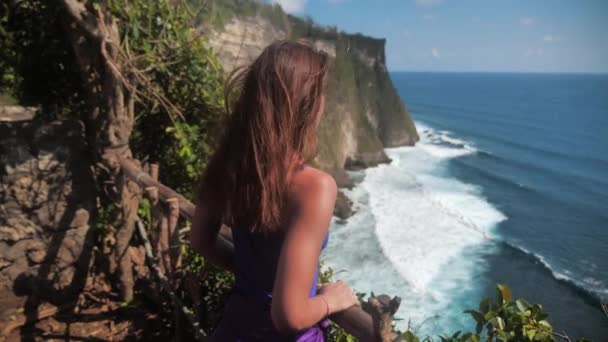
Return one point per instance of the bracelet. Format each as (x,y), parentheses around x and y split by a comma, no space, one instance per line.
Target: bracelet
(327,304)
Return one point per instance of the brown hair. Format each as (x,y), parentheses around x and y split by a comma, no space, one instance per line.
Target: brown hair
(270,133)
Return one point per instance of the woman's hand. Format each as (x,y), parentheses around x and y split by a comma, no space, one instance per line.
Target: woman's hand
(339,296)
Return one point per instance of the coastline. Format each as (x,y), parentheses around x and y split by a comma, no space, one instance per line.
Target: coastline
(366,255)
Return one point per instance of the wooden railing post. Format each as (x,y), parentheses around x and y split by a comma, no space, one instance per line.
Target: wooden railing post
(154,171)
(383,308)
(173,234)
(172,253)
(130,194)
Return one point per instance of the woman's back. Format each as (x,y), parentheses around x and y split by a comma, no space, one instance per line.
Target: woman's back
(257,256)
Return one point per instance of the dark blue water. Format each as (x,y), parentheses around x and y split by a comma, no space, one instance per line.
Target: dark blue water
(542,160)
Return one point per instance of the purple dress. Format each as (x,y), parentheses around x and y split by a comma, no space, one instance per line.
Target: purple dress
(247,311)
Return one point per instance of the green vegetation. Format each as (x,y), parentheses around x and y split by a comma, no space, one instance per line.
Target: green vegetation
(501,319)
(219,12)
(159,43)
(36,65)
(160,38)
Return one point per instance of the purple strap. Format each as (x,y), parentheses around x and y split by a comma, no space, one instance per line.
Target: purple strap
(316,333)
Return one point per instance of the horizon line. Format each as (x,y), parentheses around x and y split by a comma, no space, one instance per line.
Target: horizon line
(598,73)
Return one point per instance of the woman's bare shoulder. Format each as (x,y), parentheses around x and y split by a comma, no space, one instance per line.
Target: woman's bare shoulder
(313,184)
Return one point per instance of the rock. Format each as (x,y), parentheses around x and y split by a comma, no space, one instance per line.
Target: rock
(343,209)
(363,161)
(36,251)
(17,228)
(46,197)
(16,113)
(4,264)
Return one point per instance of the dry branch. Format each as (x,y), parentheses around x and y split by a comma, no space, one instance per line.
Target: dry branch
(198,331)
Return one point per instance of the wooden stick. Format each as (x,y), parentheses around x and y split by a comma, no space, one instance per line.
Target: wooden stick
(198,331)
(382,309)
(173,254)
(154,171)
(173,233)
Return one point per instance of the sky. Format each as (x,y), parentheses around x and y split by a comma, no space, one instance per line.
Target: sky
(475,35)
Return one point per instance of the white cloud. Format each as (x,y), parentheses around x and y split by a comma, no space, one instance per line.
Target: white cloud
(435,53)
(526,21)
(534,52)
(549,38)
(291,6)
(428,2)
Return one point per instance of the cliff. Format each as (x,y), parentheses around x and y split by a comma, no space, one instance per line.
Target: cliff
(363,112)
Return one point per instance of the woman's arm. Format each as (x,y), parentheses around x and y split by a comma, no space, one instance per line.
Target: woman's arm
(205,241)
(292,309)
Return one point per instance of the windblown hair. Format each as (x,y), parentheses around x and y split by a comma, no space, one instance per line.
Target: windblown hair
(271,131)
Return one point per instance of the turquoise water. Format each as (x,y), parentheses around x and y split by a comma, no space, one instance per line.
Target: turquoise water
(509,184)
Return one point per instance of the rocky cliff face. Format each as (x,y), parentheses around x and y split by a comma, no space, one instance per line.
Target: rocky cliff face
(363,112)
(46,195)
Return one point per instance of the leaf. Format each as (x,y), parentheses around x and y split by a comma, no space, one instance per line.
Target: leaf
(504,293)
(489,315)
(410,337)
(542,336)
(135,31)
(484,305)
(477,316)
(545,325)
(479,327)
(536,309)
(522,305)
(498,323)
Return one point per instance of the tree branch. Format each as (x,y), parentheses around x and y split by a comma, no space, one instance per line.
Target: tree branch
(83,18)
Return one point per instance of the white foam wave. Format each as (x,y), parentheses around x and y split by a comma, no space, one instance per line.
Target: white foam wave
(442,145)
(426,227)
(446,137)
(590,284)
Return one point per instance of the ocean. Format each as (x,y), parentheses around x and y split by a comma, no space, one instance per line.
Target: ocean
(508,184)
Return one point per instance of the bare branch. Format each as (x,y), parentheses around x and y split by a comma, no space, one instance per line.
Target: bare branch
(83,18)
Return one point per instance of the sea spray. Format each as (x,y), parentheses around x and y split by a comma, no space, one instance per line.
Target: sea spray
(417,233)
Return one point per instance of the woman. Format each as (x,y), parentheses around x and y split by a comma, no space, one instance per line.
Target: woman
(279,208)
